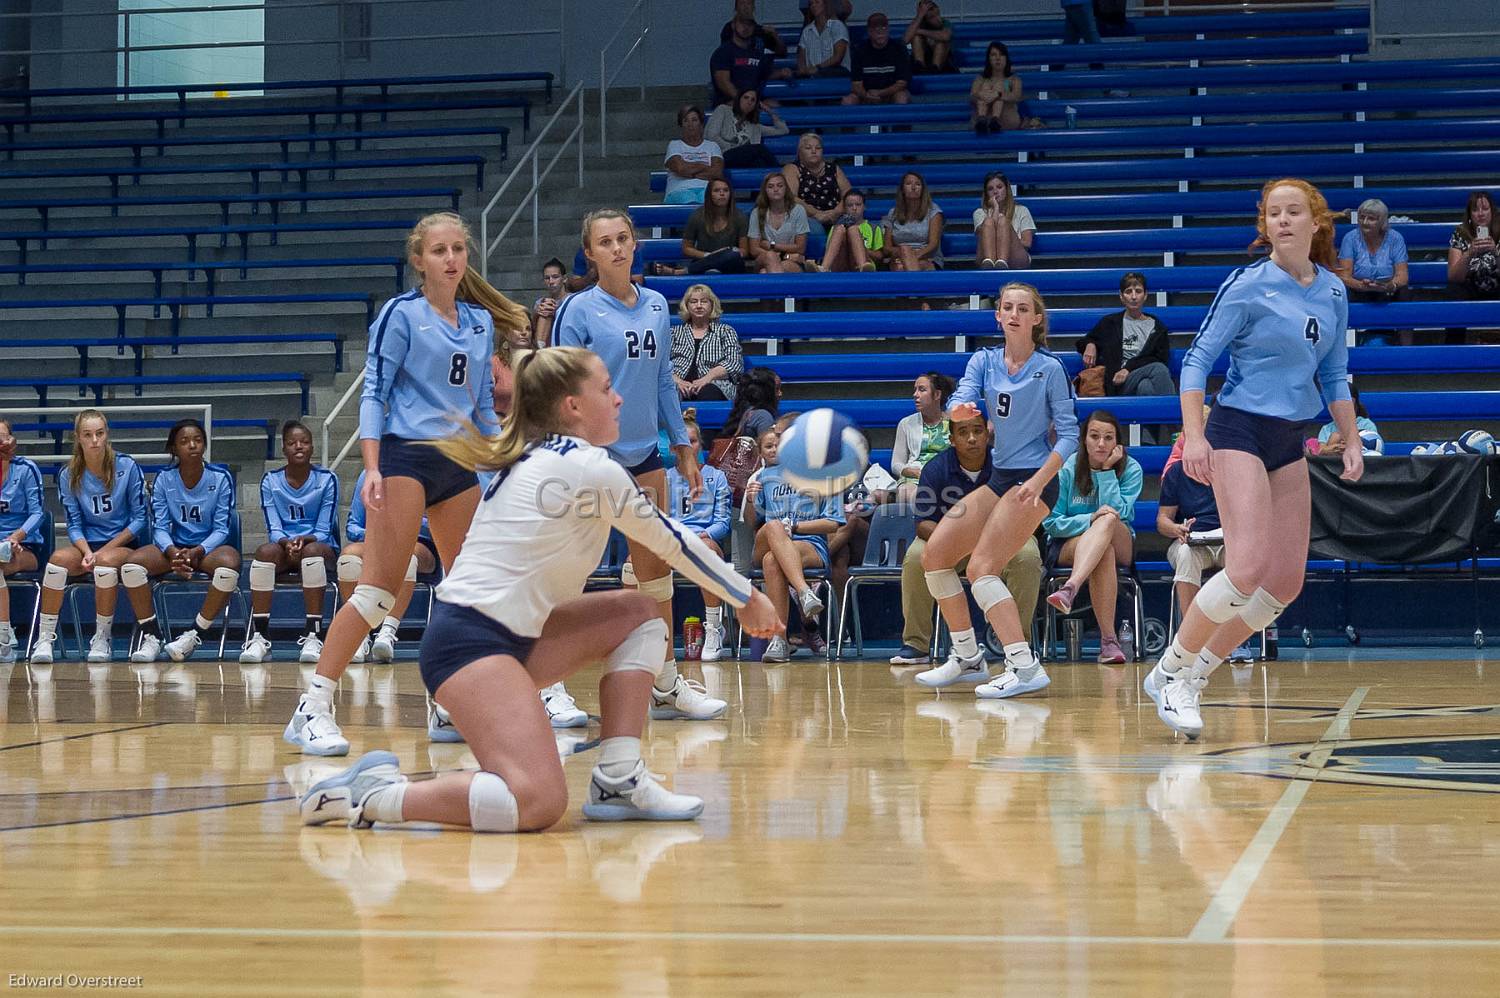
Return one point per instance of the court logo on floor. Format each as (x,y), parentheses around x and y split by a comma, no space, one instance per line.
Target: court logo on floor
(1457,762)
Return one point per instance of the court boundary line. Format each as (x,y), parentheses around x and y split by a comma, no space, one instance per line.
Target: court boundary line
(1214,924)
(86,734)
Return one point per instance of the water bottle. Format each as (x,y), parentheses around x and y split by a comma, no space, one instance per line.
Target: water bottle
(6,550)
(1127,640)
(1273,637)
(692,639)
(1072,113)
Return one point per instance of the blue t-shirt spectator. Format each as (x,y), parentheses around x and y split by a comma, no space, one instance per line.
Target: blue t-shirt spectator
(1194,500)
(1377,266)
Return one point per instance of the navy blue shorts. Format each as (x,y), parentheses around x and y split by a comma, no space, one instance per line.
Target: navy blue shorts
(652,463)
(440,477)
(1277,442)
(458,636)
(431,545)
(1005,479)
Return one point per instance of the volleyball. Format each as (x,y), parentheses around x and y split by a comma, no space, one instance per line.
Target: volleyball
(1371,443)
(1450,447)
(823,453)
(1477,442)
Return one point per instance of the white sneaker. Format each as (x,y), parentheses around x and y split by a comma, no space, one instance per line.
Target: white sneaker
(1010,684)
(562,710)
(440,727)
(312,647)
(342,797)
(1156,680)
(149,649)
(362,653)
(1178,706)
(8,648)
(101,648)
(713,643)
(41,652)
(778,649)
(383,648)
(954,671)
(638,797)
(255,650)
(182,649)
(688,700)
(810,604)
(315,733)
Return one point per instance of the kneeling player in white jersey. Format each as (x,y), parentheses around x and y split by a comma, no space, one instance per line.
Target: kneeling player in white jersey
(512,617)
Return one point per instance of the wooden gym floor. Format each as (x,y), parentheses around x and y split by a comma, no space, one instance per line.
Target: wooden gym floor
(1334,833)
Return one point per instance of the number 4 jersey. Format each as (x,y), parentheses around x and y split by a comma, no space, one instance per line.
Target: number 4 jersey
(636,347)
(186,518)
(424,376)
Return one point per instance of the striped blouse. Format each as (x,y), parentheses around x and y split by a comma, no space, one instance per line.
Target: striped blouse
(721,345)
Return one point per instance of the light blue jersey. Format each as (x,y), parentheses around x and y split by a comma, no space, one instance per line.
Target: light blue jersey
(1073,512)
(710,513)
(1023,406)
(1284,342)
(96,514)
(423,376)
(187,518)
(778,499)
(310,511)
(21,501)
(636,347)
(354,526)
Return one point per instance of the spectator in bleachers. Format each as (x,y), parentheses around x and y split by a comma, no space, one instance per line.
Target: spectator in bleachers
(768,37)
(922,435)
(1003,229)
(692,161)
(823,49)
(778,229)
(1133,346)
(757,400)
(791,535)
(104,496)
(1080,25)
(706,354)
(914,227)
(382,645)
(715,238)
(708,517)
(21,515)
(1372,258)
(817,184)
(950,475)
(742,62)
(931,39)
(554,280)
(736,128)
(1090,525)
(191,506)
(853,243)
(1332,442)
(995,94)
(880,69)
(1187,508)
(1472,261)
(841,9)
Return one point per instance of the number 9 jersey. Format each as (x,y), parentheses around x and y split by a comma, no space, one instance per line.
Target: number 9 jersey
(423,375)
(636,347)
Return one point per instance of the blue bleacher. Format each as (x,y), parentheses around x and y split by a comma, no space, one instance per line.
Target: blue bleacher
(178,305)
(210,269)
(44,386)
(138,345)
(45,206)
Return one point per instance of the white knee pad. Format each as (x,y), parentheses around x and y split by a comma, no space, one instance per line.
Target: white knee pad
(659,590)
(944,584)
(106,578)
(226,580)
(641,650)
(373,603)
(262,576)
(990,592)
(1219,599)
(314,573)
(492,807)
(1262,610)
(55,577)
(627,574)
(349,567)
(134,576)
(411,569)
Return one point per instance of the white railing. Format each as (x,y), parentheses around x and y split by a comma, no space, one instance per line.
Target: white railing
(332,464)
(605,81)
(539,176)
(204,409)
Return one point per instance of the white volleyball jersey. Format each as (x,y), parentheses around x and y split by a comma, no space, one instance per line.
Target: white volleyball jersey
(542,528)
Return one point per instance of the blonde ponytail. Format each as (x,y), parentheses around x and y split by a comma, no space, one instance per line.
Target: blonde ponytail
(543,379)
(472,288)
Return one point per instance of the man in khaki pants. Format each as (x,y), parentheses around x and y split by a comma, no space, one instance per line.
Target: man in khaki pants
(946,479)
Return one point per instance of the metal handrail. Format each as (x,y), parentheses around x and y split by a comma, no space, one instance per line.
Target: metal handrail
(538,177)
(206,408)
(605,81)
(355,387)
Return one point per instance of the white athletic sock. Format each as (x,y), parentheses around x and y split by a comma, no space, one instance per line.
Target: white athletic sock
(666,680)
(47,624)
(104,625)
(1018,657)
(384,804)
(1175,658)
(319,695)
(390,624)
(618,756)
(203,624)
(7,635)
(713,616)
(1205,664)
(965,643)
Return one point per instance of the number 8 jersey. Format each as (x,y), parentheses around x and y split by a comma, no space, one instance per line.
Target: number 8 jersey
(423,375)
(1281,337)
(636,347)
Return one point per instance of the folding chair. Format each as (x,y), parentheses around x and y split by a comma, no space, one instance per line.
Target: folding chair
(33,580)
(893,527)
